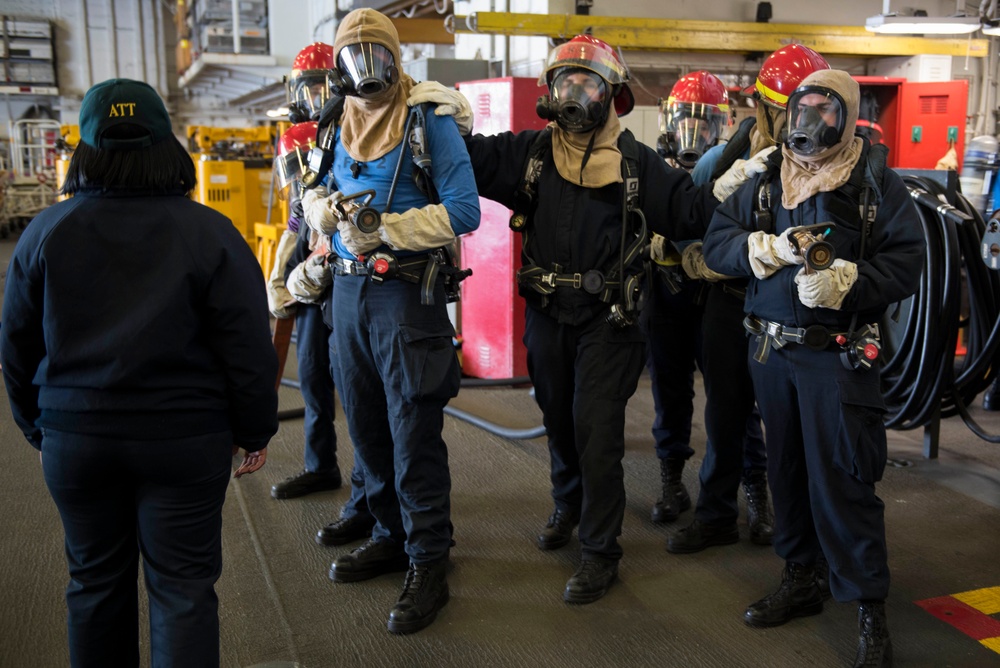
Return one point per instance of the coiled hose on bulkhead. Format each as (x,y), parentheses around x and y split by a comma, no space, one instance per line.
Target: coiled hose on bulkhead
(922,376)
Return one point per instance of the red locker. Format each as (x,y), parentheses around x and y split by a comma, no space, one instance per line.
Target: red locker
(917,118)
(492,312)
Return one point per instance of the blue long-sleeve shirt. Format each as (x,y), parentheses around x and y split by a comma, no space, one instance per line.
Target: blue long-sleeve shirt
(452,173)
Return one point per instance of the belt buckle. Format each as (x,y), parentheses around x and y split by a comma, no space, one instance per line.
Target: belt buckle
(548,279)
(773,329)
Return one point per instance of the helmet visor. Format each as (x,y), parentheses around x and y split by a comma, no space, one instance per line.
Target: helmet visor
(310,90)
(816,118)
(693,125)
(370,67)
(289,166)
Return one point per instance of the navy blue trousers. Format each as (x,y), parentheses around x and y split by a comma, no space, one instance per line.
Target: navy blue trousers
(732,424)
(312,350)
(583,377)
(161,499)
(396,370)
(672,324)
(826,449)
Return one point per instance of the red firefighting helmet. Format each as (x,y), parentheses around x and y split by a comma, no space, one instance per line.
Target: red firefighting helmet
(293,152)
(782,72)
(590,53)
(308,84)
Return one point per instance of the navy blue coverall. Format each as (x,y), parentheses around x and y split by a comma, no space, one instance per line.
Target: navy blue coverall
(584,369)
(395,362)
(826,444)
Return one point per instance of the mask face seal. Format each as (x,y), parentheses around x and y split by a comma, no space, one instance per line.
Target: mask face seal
(815,120)
(366,70)
(578,100)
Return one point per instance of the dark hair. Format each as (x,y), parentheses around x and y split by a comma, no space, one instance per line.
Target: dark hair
(164,167)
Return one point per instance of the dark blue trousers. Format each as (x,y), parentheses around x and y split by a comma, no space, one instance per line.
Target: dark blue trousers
(312,349)
(826,449)
(672,324)
(732,424)
(583,377)
(396,370)
(161,499)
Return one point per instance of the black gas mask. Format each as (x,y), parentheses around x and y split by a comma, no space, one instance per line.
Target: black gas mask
(578,100)
(365,70)
(815,120)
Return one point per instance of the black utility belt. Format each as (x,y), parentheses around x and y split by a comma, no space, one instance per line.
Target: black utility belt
(422,269)
(593,282)
(382,266)
(864,342)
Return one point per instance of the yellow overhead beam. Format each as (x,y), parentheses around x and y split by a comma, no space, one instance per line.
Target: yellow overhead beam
(645,34)
(422,31)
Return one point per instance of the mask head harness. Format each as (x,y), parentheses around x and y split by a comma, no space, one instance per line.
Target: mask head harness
(365,70)
(816,119)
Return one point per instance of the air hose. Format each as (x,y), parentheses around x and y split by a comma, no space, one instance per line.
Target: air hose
(923,378)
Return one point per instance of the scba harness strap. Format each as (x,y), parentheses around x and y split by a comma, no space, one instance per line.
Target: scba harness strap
(604,283)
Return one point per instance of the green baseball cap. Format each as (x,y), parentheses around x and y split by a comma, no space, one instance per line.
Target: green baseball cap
(119,101)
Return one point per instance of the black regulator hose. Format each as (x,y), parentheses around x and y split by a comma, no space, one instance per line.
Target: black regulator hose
(922,376)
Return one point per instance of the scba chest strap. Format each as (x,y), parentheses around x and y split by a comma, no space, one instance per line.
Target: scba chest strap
(605,282)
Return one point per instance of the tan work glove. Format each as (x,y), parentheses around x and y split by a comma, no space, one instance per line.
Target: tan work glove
(693,262)
(740,172)
(828,287)
(768,253)
(320,209)
(310,279)
(449,101)
(356,241)
(420,229)
(279,301)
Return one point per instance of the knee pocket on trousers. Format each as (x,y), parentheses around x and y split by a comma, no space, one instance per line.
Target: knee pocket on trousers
(861,446)
(429,362)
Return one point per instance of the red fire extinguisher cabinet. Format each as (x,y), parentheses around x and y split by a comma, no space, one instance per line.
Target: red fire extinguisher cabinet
(492,320)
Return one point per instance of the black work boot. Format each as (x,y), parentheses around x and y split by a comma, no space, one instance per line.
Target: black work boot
(370,560)
(675,499)
(425,591)
(798,596)
(557,530)
(346,530)
(591,581)
(306,482)
(697,536)
(759,515)
(874,645)
(823,577)
(991,399)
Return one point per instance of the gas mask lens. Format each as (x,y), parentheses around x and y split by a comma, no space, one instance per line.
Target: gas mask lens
(370,67)
(579,97)
(311,91)
(815,120)
(692,137)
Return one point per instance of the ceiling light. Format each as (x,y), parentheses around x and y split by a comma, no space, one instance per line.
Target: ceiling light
(922,25)
(891,23)
(991,27)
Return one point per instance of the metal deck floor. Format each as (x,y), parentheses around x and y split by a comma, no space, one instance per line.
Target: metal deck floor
(278,608)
